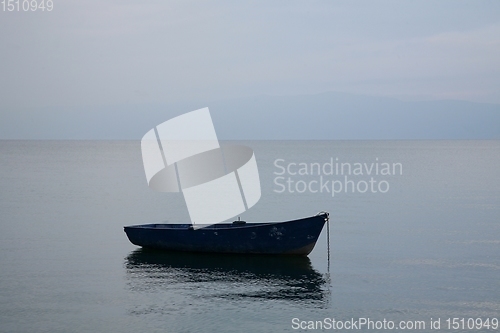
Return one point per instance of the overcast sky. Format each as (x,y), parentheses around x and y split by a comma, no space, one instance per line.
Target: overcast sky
(88,53)
(114,69)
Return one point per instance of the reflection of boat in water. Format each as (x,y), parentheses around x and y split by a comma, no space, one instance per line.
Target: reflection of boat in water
(252,276)
(296,237)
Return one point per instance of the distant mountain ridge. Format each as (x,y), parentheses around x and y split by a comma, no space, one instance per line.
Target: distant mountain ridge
(348,116)
(326,116)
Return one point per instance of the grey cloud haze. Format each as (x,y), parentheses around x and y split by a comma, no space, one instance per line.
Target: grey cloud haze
(117,56)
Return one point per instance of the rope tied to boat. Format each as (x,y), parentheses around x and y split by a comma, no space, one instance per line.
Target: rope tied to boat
(327,221)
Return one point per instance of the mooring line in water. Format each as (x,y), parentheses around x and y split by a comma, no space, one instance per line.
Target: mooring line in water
(327,276)
(328,240)
(327,220)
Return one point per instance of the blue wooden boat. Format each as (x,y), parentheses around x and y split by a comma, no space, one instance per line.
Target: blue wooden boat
(296,237)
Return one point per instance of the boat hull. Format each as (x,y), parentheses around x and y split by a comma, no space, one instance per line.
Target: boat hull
(296,237)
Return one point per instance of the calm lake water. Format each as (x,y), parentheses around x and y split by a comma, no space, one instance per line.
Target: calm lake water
(429,247)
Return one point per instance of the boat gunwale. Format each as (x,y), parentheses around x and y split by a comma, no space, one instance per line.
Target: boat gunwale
(217,226)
